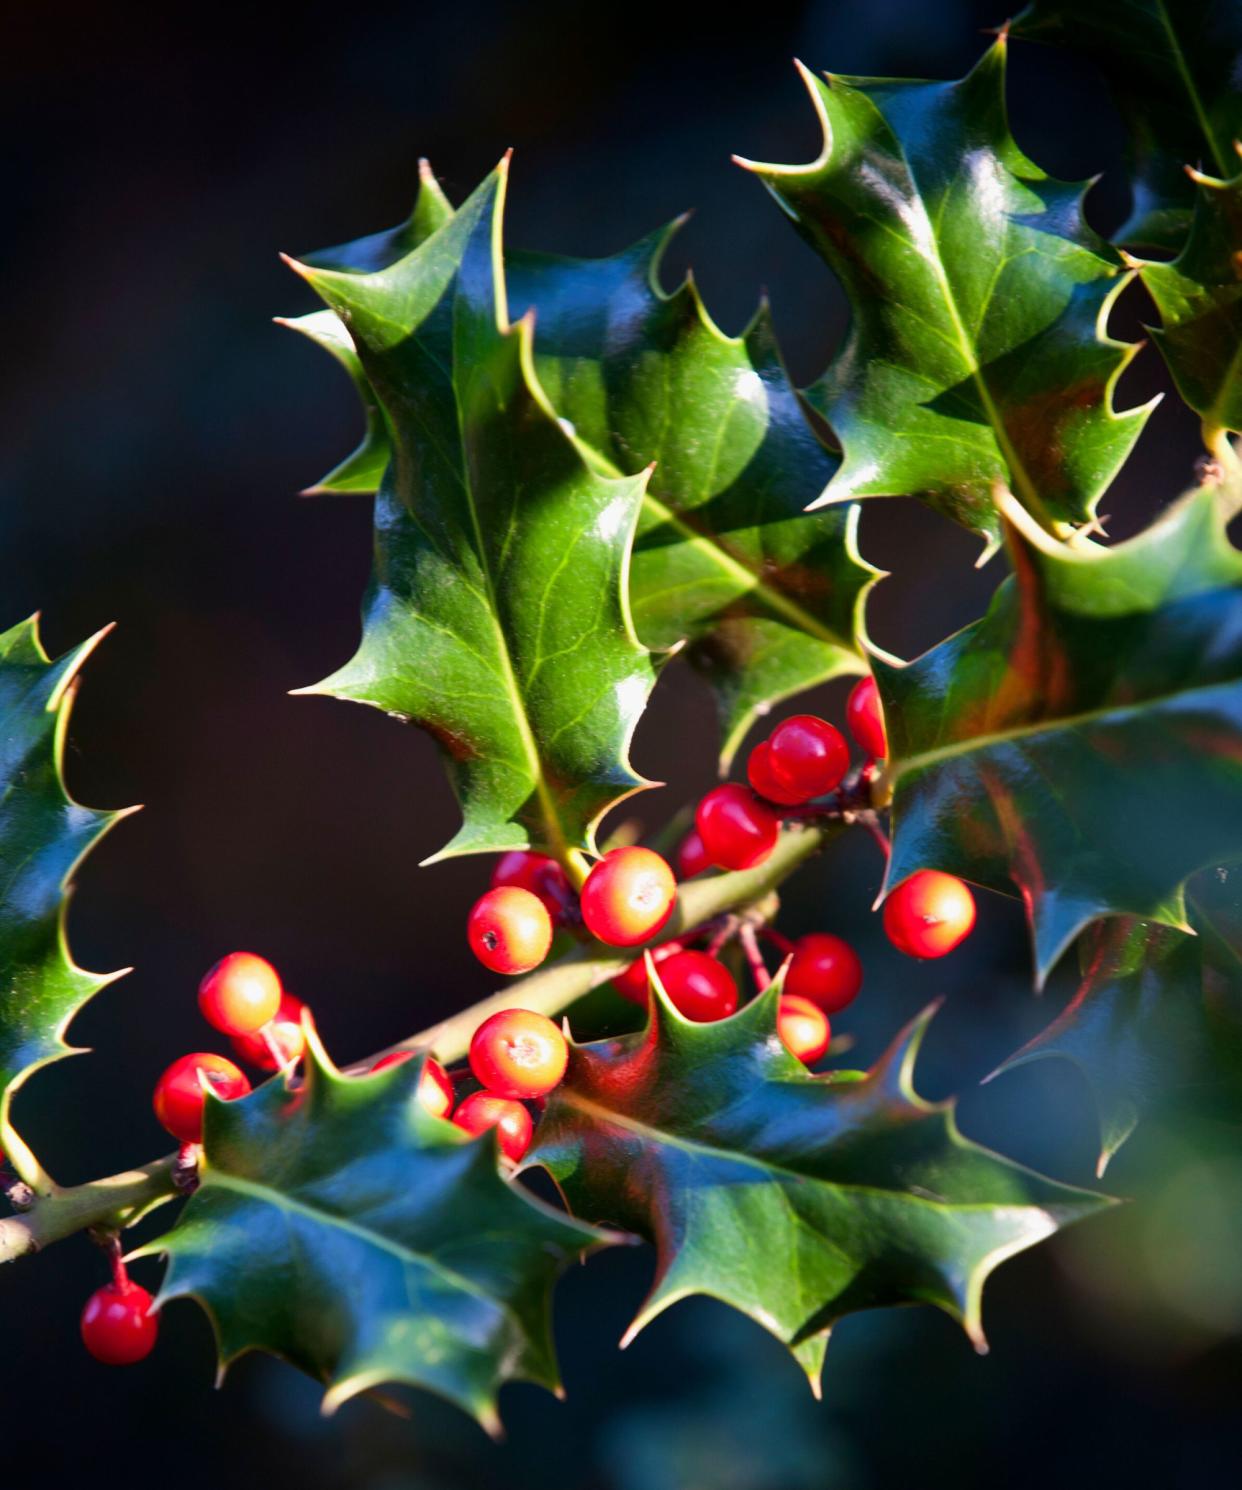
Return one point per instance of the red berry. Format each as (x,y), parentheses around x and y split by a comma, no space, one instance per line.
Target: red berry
(517,1053)
(628,896)
(804,1028)
(509,930)
(737,829)
(929,914)
(759,774)
(435,1086)
(808,755)
(692,856)
(825,970)
(699,987)
(481,1111)
(539,874)
(632,983)
(286,1034)
(116,1327)
(240,994)
(865,717)
(179,1095)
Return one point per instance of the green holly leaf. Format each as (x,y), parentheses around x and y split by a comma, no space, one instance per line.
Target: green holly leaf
(1157,1018)
(44,835)
(768,596)
(1082,742)
(342,1228)
(976,358)
(1199,297)
(497,616)
(794,1198)
(1172,68)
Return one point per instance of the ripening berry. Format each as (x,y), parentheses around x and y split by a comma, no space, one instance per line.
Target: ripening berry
(699,987)
(628,896)
(825,970)
(481,1111)
(509,930)
(929,914)
(116,1327)
(518,1053)
(539,874)
(692,856)
(435,1086)
(632,983)
(179,1095)
(285,1032)
(808,755)
(759,774)
(804,1028)
(865,717)
(240,994)
(737,829)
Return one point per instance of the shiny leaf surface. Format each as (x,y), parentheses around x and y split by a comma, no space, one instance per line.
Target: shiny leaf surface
(794,1198)
(342,1228)
(1173,69)
(976,356)
(1082,742)
(497,616)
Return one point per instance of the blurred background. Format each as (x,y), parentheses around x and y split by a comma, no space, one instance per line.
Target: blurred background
(154,431)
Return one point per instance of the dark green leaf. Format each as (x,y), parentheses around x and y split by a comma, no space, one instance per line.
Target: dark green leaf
(497,615)
(342,1228)
(1199,297)
(795,1198)
(1173,69)
(1082,742)
(43,836)
(976,358)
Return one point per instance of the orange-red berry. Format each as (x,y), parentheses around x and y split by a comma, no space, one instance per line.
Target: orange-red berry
(929,914)
(539,874)
(180,1095)
(117,1328)
(808,755)
(737,829)
(435,1086)
(864,715)
(632,983)
(284,1032)
(698,986)
(803,1027)
(240,994)
(692,856)
(509,930)
(826,970)
(628,896)
(481,1111)
(518,1053)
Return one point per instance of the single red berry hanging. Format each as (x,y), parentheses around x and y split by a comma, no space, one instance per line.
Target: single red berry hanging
(761,777)
(539,874)
(929,914)
(180,1096)
(518,1053)
(692,856)
(116,1326)
(864,715)
(632,983)
(628,896)
(481,1111)
(509,930)
(737,829)
(808,755)
(284,1035)
(240,994)
(435,1086)
(803,1027)
(699,987)
(825,970)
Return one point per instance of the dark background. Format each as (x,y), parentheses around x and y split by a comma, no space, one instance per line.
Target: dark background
(154,429)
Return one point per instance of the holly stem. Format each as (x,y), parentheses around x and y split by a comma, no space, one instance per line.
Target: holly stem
(114,1203)
(754,957)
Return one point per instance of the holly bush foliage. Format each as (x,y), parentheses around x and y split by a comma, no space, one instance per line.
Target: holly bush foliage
(576,477)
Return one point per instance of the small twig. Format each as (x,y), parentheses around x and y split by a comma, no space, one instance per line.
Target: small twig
(727,931)
(754,957)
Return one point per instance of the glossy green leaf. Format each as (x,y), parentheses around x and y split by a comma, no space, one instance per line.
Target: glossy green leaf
(794,1198)
(340,1227)
(1082,742)
(1173,69)
(43,836)
(768,595)
(976,357)
(1199,297)
(497,615)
